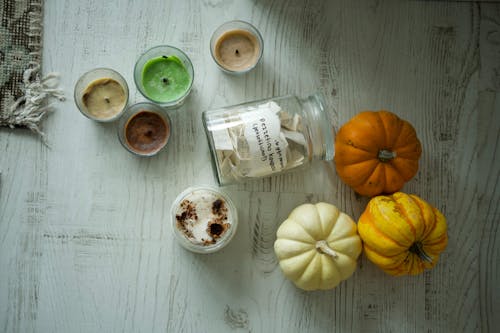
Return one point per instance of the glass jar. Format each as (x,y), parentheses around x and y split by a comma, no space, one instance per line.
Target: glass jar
(267,137)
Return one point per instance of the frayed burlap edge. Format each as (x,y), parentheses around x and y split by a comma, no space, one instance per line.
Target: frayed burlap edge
(29,110)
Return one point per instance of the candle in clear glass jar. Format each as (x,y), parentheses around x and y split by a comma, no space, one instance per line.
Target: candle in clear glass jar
(236,47)
(204,219)
(144,129)
(164,74)
(165,78)
(101,94)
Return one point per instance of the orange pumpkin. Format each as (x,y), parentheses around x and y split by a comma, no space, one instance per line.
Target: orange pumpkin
(377,152)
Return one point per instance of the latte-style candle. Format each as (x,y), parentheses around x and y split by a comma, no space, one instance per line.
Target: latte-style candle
(204,219)
(236,47)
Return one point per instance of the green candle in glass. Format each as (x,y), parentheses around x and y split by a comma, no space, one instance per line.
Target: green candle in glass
(164,75)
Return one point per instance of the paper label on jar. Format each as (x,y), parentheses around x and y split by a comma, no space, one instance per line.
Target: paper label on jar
(263,152)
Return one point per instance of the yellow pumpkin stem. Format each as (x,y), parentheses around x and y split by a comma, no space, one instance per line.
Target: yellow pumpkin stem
(322,246)
(418,249)
(385,155)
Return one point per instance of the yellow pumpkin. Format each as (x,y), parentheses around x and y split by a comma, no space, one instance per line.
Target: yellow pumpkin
(317,246)
(402,234)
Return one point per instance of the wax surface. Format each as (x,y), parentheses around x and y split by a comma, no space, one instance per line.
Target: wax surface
(203,217)
(165,79)
(237,50)
(146,132)
(104,98)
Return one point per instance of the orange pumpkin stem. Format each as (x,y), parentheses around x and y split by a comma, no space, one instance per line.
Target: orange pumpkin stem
(418,249)
(322,247)
(385,155)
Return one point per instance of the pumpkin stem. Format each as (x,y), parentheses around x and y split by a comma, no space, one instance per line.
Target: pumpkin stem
(386,155)
(418,249)
(322,246)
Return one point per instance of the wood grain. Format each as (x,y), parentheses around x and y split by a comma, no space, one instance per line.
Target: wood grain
(488,153)
(85,240)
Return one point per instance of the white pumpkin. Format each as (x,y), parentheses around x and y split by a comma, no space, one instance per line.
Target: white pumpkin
(317,246)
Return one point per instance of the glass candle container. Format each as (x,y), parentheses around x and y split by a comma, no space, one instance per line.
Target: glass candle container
(164,75)
(144,129)
(204,219)
(267,137)
(236,47)
(101,94)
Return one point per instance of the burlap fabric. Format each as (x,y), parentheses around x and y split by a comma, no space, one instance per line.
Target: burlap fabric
(23,94)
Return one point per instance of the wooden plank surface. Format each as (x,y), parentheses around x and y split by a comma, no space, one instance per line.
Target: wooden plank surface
(488,153)
(85,241)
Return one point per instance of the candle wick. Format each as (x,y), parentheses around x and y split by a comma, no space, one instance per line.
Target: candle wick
(237,52)
(106,99)
(165,80)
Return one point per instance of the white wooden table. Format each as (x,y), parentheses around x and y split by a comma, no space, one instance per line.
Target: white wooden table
(85,240)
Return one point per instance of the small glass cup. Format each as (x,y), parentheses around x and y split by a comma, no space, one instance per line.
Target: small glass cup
(204,219)
(178,56)
(244,35)
(92,76)
(157,114)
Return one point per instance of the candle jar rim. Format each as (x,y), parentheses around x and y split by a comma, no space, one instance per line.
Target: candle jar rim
(135,109)
(220,30)
(199,248)
(121,80)
(173,104)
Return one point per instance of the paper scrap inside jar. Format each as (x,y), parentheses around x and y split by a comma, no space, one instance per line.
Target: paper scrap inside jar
(203,217)
(257,141)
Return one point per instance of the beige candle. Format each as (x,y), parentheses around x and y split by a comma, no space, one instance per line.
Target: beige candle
(236,46)
(104,98)
(237,50)
(101,94)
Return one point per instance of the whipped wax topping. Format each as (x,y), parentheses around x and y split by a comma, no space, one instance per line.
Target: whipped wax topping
(203,217)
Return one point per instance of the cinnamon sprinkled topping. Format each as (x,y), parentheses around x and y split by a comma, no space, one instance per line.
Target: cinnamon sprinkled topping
(216,226)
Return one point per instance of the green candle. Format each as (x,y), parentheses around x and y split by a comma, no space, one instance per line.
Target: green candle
(165,79)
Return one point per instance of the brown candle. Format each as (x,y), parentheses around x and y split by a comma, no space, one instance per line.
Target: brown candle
(146,132)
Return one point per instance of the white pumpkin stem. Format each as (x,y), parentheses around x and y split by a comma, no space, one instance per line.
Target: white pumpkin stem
(323,247)
(386,155)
